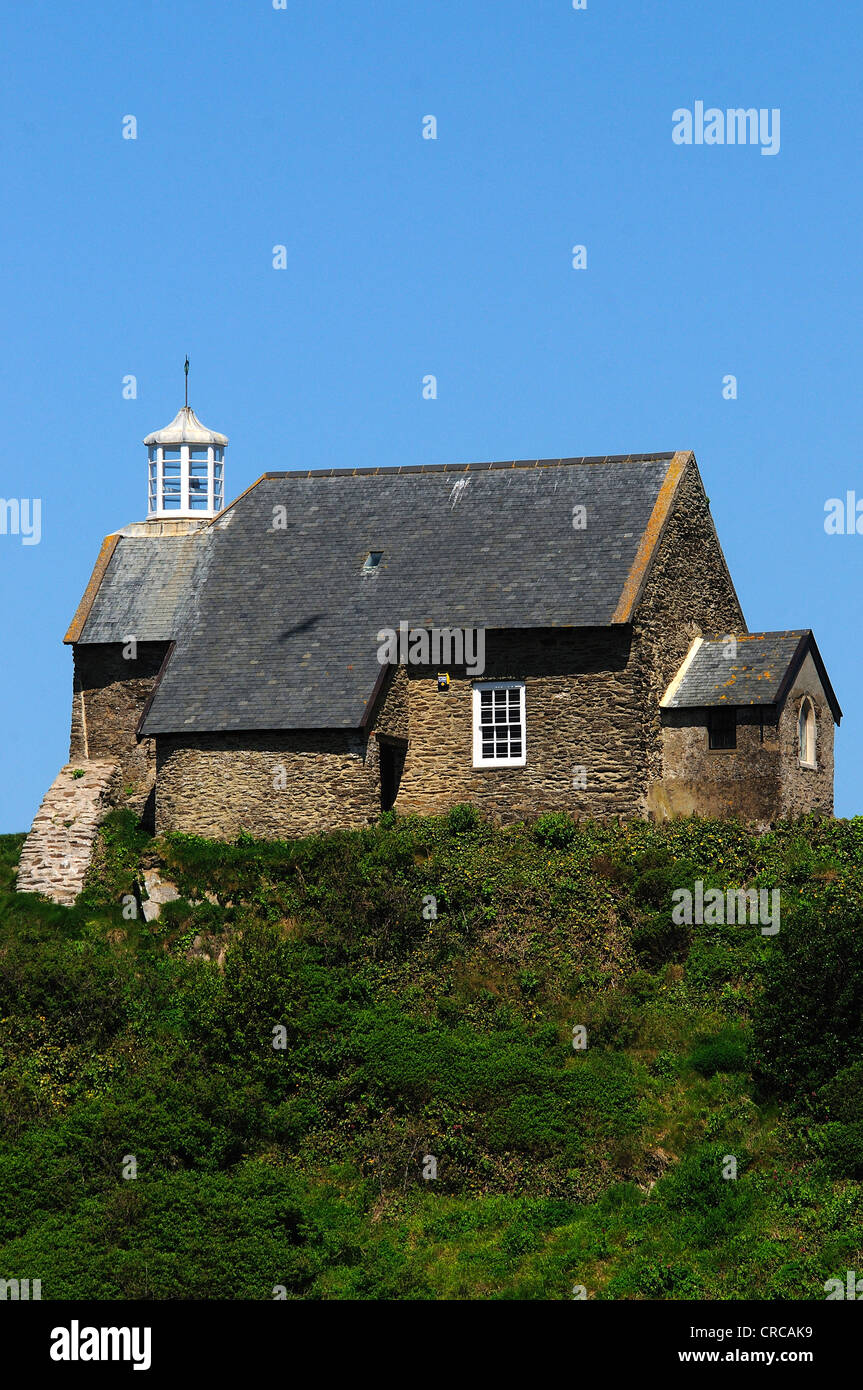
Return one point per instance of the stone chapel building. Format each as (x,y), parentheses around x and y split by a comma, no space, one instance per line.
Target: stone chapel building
(552,634)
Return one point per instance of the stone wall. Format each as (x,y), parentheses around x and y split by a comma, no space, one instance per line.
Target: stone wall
(275,785)
(57,852)
(806,789)
(688,592)
(108,697)
(581,711)
(744,781)
(390,721)
(761,780)
(392,717)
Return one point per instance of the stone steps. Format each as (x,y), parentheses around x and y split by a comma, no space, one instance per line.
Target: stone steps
(57,852)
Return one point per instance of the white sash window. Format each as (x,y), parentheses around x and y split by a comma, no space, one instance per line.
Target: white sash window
(499,725)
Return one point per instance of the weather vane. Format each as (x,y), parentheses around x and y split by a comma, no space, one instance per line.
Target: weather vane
(186,370)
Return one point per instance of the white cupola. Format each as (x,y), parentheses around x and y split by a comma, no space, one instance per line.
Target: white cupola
(186,469)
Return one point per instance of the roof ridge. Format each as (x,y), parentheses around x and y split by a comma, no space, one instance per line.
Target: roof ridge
(718,636)
(82,612)
(651,537)
(590,459)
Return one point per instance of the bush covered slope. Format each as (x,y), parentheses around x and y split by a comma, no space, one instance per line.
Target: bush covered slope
(411,1036)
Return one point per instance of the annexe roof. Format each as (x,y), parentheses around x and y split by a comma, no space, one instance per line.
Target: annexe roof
(276,623)
(140,588)
(753,668)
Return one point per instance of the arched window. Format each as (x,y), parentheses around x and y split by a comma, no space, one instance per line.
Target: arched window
(806,734)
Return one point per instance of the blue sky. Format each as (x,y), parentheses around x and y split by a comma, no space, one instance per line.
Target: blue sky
(406,256)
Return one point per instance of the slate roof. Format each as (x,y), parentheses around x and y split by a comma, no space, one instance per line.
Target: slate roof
(277,628)
(146,586)
(760,672)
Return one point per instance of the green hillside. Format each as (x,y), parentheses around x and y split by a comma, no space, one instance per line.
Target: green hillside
(410,1036)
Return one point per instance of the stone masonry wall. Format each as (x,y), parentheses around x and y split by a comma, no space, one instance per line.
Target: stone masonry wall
(391,719)
(701,781)
(108,699)
(581,710)
(806,789)
(276,785)
(57,852)
(688,593)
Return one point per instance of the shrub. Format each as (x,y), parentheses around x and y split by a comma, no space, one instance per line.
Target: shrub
(612,1023)
(657,874)
(710,1207)
(663,1065)
(555,830)
(659,942)
(808,1021)
(538,1125)
(462,819)
(842,1098)
(727,1051)
(657,939)
(842,1149)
